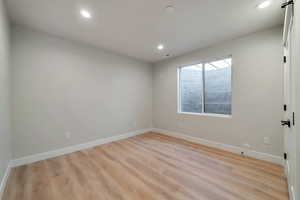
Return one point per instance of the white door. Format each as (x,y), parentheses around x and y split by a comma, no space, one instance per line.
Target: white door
(288,116)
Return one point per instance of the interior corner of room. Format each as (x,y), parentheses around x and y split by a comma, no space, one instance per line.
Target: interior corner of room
(149,100)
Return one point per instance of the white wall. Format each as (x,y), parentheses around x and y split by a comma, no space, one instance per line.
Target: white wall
(256,101)
(61,86)
(5,150)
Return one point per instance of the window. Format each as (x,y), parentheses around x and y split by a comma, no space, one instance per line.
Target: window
(206,88)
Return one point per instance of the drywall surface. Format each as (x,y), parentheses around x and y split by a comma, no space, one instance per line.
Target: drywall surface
(257,94)
(5,119)
(66,93)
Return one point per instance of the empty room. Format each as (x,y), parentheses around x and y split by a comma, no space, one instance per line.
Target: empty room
(149,100)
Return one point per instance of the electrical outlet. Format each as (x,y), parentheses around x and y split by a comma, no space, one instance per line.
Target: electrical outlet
(68,135)
(267,140)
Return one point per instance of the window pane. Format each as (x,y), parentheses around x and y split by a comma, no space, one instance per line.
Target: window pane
(218,87)
(191,88)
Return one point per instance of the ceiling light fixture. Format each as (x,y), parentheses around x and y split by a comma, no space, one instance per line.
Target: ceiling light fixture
(264,4)
(169,8)
(160,47)
(85,14)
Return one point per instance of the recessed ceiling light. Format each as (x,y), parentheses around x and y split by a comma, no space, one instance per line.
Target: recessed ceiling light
(264,4)
(85,14)
(169,8)
(160,47)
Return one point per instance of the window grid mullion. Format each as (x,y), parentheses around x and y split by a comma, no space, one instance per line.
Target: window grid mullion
(179,89)
(203,87)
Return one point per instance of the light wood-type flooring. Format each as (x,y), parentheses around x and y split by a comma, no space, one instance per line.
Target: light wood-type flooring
(150,166)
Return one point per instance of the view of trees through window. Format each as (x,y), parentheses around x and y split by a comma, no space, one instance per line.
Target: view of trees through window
(206,87)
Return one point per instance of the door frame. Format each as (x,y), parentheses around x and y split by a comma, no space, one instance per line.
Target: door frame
(289,99)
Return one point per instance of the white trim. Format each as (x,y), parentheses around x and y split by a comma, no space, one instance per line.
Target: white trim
(287,169)
(74,148)
(226,147)
(290,187)
(4,180)
(203,64)
(292,194)
(288,22)
(205,114)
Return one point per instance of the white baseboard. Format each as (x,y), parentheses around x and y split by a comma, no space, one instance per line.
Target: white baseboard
(226,147)
(71,149)
(4,180)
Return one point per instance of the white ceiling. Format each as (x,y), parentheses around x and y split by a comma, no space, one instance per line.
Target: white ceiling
(136,27)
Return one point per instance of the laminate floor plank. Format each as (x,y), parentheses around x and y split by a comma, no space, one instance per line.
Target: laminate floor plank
(150,166)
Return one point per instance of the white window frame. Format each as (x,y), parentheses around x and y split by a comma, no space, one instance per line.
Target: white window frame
(203,89)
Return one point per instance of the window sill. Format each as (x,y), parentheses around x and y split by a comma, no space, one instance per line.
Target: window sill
(205,114)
